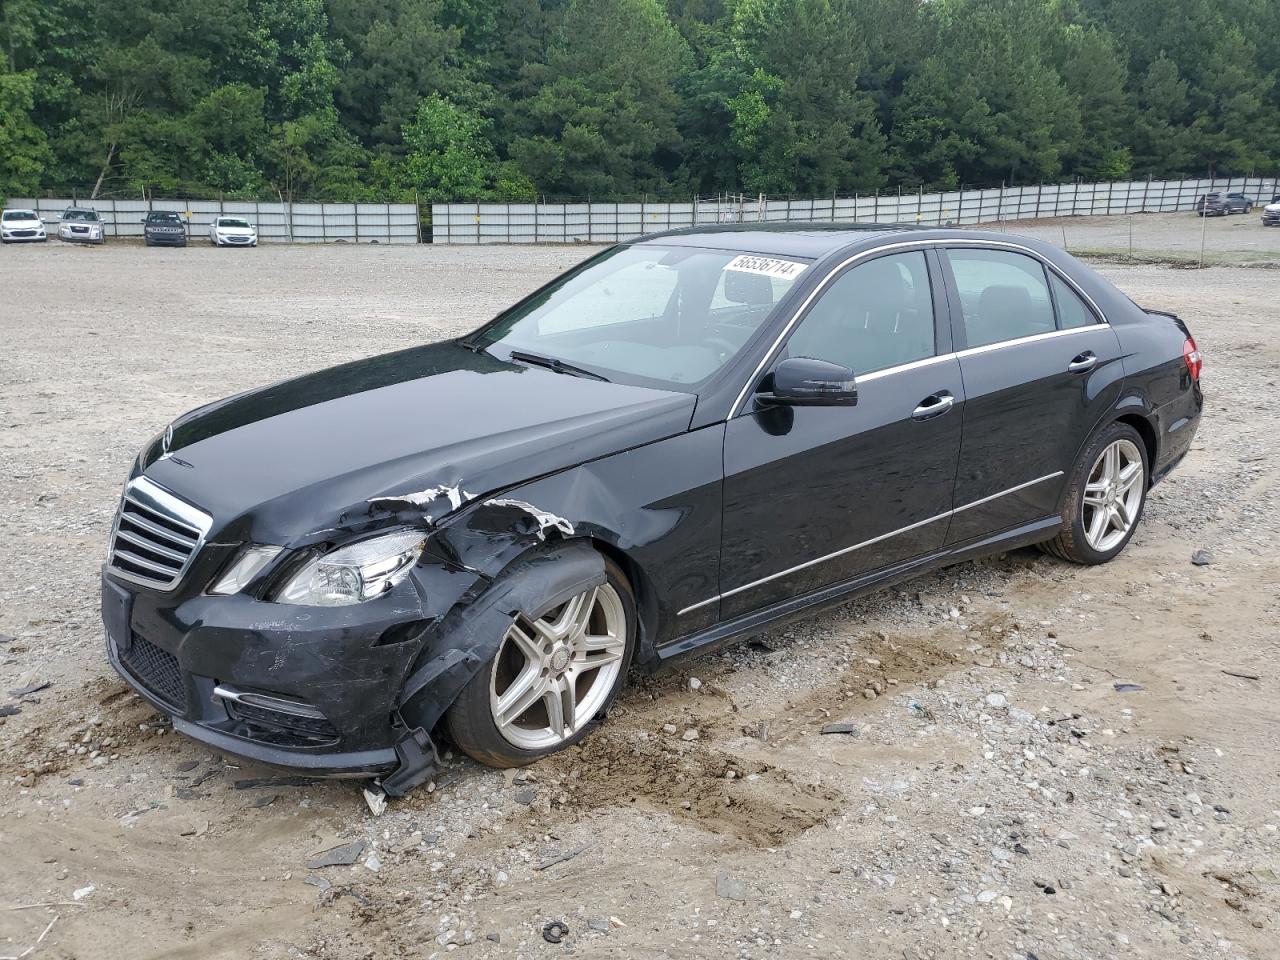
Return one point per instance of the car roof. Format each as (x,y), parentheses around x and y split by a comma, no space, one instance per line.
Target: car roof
(809,240)
(815,241)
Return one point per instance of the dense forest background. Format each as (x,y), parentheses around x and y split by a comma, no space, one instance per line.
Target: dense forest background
(507,99)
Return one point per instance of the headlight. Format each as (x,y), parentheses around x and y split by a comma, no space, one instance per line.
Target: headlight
(355,573)
(248,565)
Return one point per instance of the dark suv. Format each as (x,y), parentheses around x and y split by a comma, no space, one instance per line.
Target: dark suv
(1222,204)
(164,228)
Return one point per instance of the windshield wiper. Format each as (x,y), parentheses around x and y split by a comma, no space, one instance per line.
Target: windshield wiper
(559,366)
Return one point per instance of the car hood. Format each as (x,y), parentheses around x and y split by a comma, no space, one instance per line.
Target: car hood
(236,231)
(344,445)
(21,224)
(1272,207)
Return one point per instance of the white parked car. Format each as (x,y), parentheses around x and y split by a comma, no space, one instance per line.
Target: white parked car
(232,232)
(1271,213)
(81,225)
(21,226)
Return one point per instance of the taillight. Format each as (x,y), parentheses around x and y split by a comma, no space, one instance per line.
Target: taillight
(1191,356)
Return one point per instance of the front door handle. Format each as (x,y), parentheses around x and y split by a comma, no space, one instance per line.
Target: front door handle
(1083,362)
(933,406)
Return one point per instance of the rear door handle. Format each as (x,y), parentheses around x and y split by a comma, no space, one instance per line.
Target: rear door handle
(933,406)
(1083,363)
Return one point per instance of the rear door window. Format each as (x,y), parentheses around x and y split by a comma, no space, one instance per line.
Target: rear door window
(1072,311)
(1004,295)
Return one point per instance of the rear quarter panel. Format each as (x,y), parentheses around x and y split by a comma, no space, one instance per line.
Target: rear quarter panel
(1158,384)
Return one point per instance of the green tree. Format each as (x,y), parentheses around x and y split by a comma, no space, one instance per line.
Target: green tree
(24,150)
(603,119)
(802,124)
(449,157)
(992,108)
(400,51)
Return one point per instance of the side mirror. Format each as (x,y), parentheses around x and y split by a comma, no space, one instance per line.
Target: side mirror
(802,381)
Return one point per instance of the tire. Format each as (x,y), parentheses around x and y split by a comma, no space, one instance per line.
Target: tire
(1078,540)
(470,721)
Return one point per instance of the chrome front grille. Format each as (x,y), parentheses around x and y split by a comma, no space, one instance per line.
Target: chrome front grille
(156,536)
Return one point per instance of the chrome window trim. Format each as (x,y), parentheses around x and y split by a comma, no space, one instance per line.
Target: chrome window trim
(902,367)
(936,243)
(867,543)
(968,352)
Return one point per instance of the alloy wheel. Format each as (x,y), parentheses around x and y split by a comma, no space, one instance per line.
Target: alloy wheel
(553,675)
(1113,495)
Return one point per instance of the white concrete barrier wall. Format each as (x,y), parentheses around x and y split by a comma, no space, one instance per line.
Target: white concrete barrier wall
(276,222)
(605,222)
(610,222)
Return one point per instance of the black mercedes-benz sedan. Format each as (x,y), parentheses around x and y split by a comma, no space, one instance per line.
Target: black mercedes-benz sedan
(683,440)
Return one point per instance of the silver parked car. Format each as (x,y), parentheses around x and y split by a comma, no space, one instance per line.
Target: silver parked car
(232,232)
(81,225)
(21,226)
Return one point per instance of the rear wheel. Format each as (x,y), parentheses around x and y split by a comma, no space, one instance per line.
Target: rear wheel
(551,679)
(1105,497)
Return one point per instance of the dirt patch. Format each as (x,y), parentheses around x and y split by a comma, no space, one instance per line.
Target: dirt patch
(709,788)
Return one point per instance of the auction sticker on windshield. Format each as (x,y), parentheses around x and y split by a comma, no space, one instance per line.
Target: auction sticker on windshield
(767,266)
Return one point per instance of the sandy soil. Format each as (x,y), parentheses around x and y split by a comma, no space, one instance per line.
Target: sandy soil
(1000,797)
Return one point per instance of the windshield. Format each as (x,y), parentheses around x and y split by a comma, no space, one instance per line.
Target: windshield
(79,215)
(660,316)
(19,215)
(164,218)
(232,222)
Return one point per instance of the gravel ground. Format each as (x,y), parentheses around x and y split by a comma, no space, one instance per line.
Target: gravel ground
(999,797)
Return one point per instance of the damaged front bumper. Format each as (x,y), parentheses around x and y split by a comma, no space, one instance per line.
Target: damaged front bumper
(351,691)
(311,689)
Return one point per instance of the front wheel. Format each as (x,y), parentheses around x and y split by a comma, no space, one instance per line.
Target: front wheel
(551,679)
(1106,493)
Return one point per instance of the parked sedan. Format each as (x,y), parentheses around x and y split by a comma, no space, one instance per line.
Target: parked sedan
(81,225)
(21,226)
(684,440)
(164,228)
(232,232)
